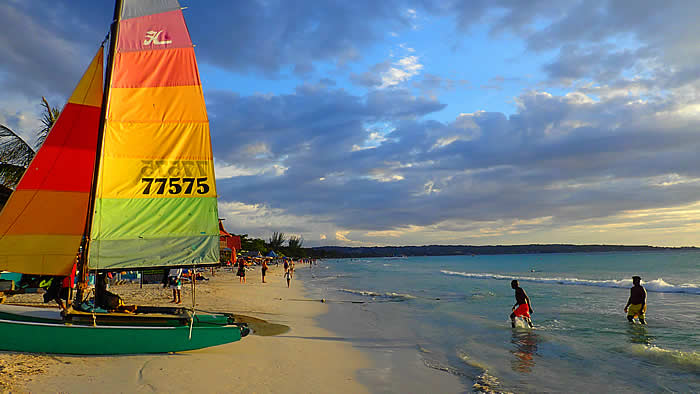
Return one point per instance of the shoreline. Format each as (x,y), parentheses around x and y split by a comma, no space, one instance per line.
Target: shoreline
(306,358)
(400,362)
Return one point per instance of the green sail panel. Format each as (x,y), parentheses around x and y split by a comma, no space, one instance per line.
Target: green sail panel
(155,201)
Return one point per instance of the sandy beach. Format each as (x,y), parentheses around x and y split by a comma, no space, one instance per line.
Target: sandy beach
(300,358)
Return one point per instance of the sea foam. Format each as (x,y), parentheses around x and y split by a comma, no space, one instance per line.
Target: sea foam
(390,295)
(657,285)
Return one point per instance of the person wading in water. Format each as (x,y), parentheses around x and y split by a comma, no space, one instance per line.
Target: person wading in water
(522,307)
(637,303)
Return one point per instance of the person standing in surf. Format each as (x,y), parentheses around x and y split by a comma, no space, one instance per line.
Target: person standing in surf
(637,303)
(522,307)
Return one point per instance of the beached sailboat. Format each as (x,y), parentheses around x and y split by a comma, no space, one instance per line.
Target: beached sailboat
(124,181)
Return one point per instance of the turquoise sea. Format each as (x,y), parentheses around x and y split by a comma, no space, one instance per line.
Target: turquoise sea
(428,322)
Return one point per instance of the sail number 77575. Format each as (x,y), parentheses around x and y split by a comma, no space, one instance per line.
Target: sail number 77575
(175,185)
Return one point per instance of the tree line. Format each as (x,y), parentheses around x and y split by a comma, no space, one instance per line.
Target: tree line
(275,243)
(454,250)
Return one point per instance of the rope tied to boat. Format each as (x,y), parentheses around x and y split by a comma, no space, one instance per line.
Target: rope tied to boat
(193,279)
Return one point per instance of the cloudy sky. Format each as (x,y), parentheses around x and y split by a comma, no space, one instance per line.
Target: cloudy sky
(411,122)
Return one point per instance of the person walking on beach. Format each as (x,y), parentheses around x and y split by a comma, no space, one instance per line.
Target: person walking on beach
(288,276)
(241,272)
(522,307)
(264,270)
(175,283)
(637,303)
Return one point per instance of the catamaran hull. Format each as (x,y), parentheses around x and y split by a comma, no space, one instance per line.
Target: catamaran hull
(59,338)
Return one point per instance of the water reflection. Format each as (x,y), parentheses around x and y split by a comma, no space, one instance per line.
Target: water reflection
(525,348)
(638,334)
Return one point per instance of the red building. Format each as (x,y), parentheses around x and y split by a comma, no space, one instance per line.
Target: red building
(228,244)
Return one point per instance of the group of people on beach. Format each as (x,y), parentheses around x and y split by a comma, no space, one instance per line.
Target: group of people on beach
(636,304)
(174,277)
(288,269)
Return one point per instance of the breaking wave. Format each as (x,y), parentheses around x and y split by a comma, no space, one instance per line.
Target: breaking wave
(680,359)
(658,285)
(389,295)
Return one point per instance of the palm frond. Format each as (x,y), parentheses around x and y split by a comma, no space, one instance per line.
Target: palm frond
(295,242)
(10,175)
(15,156)
(48,118)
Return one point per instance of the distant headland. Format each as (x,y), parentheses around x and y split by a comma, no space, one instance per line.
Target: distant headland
(453,250)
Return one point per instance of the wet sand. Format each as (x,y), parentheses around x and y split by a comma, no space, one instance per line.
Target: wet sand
(288,352)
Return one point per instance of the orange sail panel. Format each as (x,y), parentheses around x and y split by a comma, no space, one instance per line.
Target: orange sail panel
(42,224)
(155,203)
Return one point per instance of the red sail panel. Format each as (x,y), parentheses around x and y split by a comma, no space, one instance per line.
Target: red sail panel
(67,156)
(158,31)
(170,67)
(42,224)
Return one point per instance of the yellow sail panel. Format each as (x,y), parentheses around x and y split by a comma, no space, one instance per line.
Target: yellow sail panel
(89,90)
(178,141)
(183,104)
(55,255)
(148,178)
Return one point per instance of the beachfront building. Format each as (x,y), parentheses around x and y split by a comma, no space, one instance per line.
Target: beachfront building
(228,245)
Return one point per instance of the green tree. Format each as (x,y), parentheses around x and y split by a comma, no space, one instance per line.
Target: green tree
(16,154)
(277,240)
(295,246)
(295,242)
(259,245)
(48,118)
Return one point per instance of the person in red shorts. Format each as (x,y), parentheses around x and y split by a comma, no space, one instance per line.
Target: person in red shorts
(522,307)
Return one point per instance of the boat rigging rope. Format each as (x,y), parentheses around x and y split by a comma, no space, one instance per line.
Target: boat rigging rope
(193,278)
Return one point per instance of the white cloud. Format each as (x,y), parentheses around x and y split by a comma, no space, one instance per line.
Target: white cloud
(22,116)
(407,48)
(224,171)
(406,68)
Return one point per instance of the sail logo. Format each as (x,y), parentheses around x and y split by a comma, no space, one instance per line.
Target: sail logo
(152,38)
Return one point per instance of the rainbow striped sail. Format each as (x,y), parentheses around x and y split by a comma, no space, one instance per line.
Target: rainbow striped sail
(125,180)
(155,201)
(154,198)
(43,222)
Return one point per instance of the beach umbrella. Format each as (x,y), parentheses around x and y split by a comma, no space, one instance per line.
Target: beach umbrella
(272,254)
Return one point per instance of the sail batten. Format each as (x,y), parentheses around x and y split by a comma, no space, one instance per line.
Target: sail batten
(43,222)
(155,200)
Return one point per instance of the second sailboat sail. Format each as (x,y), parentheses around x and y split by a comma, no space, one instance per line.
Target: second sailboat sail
(156,194)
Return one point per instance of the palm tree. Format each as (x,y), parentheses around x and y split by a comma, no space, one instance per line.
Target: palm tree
(295,242)
(48,118)
(16,154)
(276,240)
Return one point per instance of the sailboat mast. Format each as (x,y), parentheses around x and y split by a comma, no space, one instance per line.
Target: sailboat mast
(114,29)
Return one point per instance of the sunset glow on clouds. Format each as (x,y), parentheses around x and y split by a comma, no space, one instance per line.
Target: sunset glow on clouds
(422,122)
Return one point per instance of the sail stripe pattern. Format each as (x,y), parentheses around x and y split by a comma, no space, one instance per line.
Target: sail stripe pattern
(156,195)
(166,68)
(43,222)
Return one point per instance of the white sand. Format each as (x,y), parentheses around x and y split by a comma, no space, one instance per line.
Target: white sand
(305,359)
